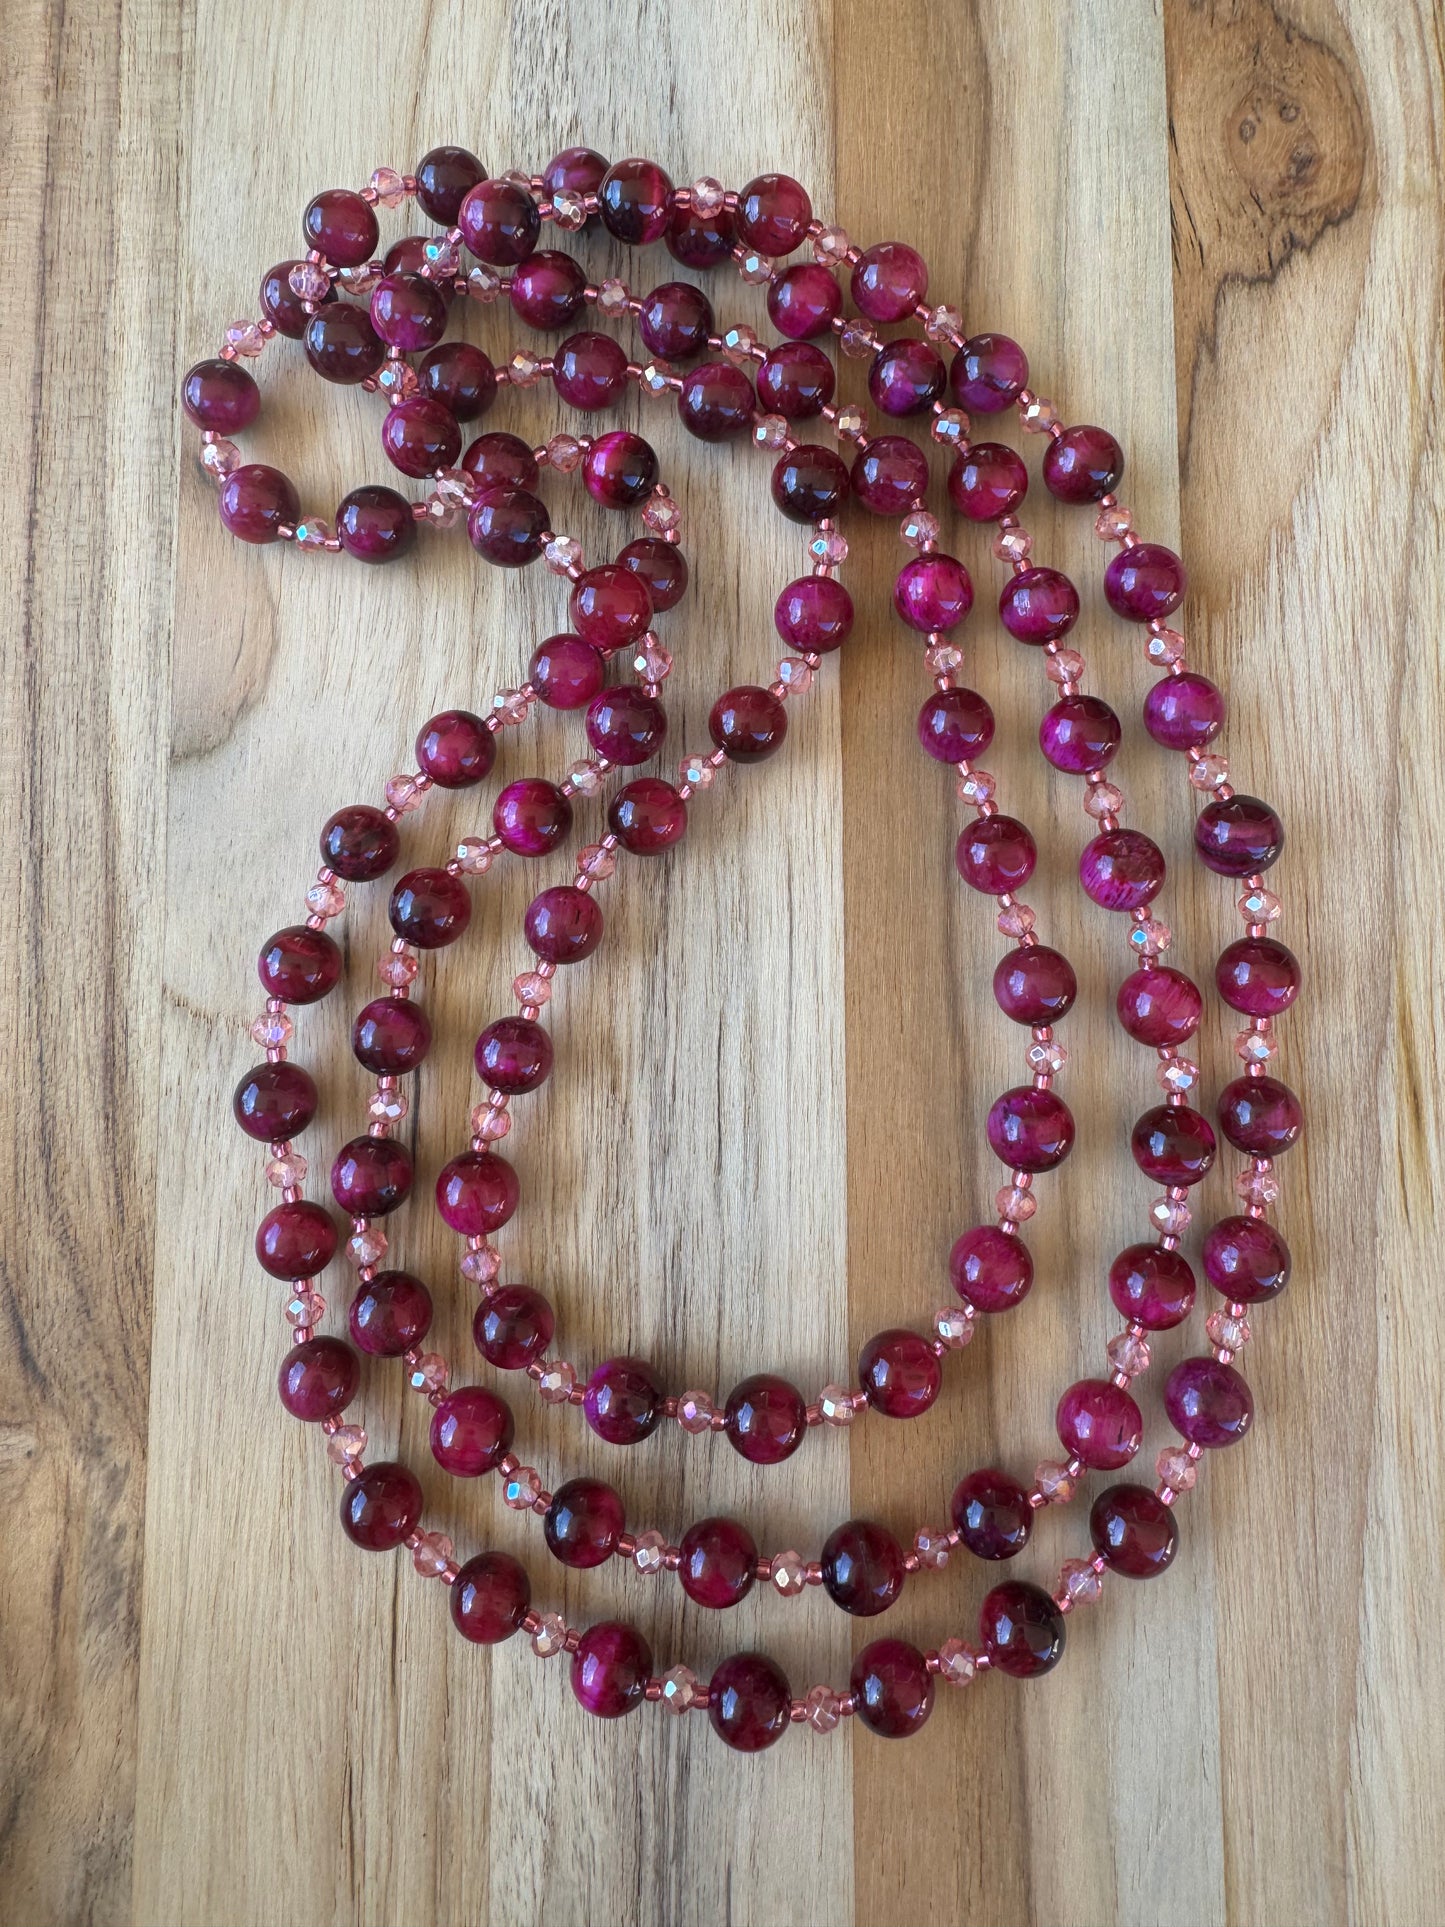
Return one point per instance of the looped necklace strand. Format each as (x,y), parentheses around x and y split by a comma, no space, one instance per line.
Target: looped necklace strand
(380,323)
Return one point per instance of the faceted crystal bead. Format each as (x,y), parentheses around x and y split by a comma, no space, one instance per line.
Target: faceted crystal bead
(1015,1204)
(932,1545)
(942,659)
(977,786)
(1257,1188)
(1176,1469)
(273,1030)
(831,245)
(1064,666)
(788,1573)
(1113,522)
(403,792)
(1208,772)
(555,1382)
(1048,1057)
(697,772)
(308,281)
(432,1554)
(1259,906)
(950,427)
(663,517)
(657,376)
(1254,1046)
(219,457)
(490,1123)
(481,1266)
(472,856)
(388,186)
(612,297)
(483,284)
(245,338)
(510,707)
(1103,799)
(347,1442)
(694,1412)
(398,381)
(756,269)
(397,968)
(532,987)
(943,323)
(442,258)
(521,1489)
(836,1405)
(305,1308)
(564,453)
(1054,1482)
(1038,416)
(679,1689)
(1177,1074)
(1079,1582)
(1149,937)
(585,778)
(597,862)
(1013,545)
(326,899)
(648,1553)
(823,1709)
(386,1105)
(1226,1331)
(1129,1354)
(829,546)
(429,1374)
(919,529)
(1164,648)
(707,195)
(957,1663)
(287,1173)
(850,422)
(859,341)
(770,432)
(569,210)
(363,278)
(313,533)
(1170,1217)
(550,1637)
(795,676)
(366,1247)
(953,1325)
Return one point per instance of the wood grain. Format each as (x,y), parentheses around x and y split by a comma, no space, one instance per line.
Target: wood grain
(1218,228)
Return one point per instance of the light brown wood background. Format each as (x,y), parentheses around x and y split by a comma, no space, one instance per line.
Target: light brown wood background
(1218,229)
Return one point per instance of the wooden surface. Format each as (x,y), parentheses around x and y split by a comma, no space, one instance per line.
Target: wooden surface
(1218,230)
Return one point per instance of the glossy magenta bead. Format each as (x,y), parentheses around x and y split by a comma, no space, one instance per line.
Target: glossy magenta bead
(444,178)
(420,436)
(371,1176)
(716,400)
(1134,1532)
(1082,464)
(455,749)
(610,1669)
(1099,1423)
(299,964)
(992,1514)
(471,1429)
(933,593)
(987,480)
(1038,605)
(274,1102)
(318,1379)
(342,345)
(765,1419)
(890,475)
(661,565)
(625,724)
(514,1055)
(583,1523)
(647,816)
(489,1598)
(342,226)
(804,301)
(889,281)
(719,1563)
(359,843)
(635,201)
(991,1268)
(1245,1259)
(1122,870)
(563,925)
(1159,1007)
(700,240)
(576,170)
(1184,712)
(375,524)
(619,469)
(1145,583)
(1208,1403)
(1152,1287)
(477,1192)
(814,615)
(408,312)
(809,482)
(892,1688)
(610,606)
(863,1570)
(221,396)
(675,321)
(748,724)
(296,1240)
(1258,976)
(1031,1130)
(749,1702)
(996,854)
(1236,836)
(430,908)
(955,725)
(1079,734)
(624,1401)
(907,377)
(390,1314)
(499,223)
(899,1373)
(547,290)
(409,256)
(796,380)
(773,214)
(256,502)
(391,1036)
(500,460)
(1173,1144)
(1035,985)
(1260,1115)
(506,525)
(512,1327)
(531,816)
(380,1507)
(1021,1629)
(566,672)
(590,371)
(459,376)
(281,306)
(989,373)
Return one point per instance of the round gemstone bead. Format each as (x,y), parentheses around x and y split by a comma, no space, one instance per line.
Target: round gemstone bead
(499,460)
(408,312)
(444,178)
(1122,870)
(626,724)
(635,200)
(863,1570)
(1152,1287)
(391,1036)
(342,226)
(624,1401)
(1099,1423)
(359,843)
(796,381)
(459,376)
(420,436)
(675,321)
(719,1563)
(619,469)
(1208,1403)
(1260,1115)
(513,1327)
(1035,985)
(506,526)
(584,1523)
(371,1176)
(716,401)
(1038,606)
(390,1314)
(955,725)
(773,214)
(889,281)
(991,1268)
(380,1507)
(221,396)
(892,1688)
(590,371)
(987,481)
(992,1514)
(299,964)
(547,289)
(514,1055)
(566,672)
(1031,1130)
(1134,1532)
(813,615)
(749,1702)
(804,301)
(899,1373)
(1159,1007)
(1258,976)
(1021,1629)
(576,170)
(489,1598)
(996,854)
(890,475)
(748,724)
(906,378)
(1080,734)
(318,1379)
(647,816)
(341,344)
(700,240)
(661,566)
(1172,1144)
(1145,583)
(430,908)
(1082,464)
(563,925)
(1238,835)
(989,373)
(280,303)
(375,524)
(933,593)
(477,1193)
(471,1430)
(274,1102)
(296,1240)
(1184,712)
(531,816)
(610,1669)
(1246,1260)
(499,223)
(256,502)
(809,483)
(765,1419)
(610,606)
(456,749)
